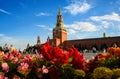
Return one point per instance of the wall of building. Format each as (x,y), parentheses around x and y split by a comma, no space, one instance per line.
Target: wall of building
(100,43)
(63,36)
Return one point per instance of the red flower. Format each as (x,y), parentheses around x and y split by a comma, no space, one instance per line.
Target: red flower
(54,54)
(16,53)
(78,61)
(46,51)
(53,73)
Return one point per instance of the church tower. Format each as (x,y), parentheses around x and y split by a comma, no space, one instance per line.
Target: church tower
(38,40)
(60,32)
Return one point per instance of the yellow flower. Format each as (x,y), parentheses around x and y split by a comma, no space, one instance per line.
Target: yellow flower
(1,53)
(116,72)
(80,72)
(102,72)
(118,78)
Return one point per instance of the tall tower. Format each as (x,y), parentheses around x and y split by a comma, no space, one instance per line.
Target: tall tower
(48,39)
(60,31)
(38,40)
(104,34)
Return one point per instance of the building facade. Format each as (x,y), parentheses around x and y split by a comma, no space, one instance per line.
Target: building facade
(60,38)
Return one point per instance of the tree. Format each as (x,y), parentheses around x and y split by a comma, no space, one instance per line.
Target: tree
(1,48)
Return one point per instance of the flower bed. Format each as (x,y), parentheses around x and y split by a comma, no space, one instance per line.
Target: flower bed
(55,63)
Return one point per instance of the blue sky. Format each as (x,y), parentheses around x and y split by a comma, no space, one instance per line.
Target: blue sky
(21,21)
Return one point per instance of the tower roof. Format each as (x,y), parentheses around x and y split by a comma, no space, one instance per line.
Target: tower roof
(48,38)
(59,24)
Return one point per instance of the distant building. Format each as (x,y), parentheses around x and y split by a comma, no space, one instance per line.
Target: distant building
(38,40)
(60,38)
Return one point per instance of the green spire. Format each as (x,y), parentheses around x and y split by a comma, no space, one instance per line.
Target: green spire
(60,24)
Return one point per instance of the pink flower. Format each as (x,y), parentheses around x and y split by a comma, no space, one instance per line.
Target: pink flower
(5,77)
(38,70)
(28,58)
(7,56)
(40,57)
(11,56)
(16,77)
(44,69)
(1,76)
(5,67)
(23,67)
(15,60)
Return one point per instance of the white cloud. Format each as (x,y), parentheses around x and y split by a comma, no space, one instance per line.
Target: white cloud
(43,14)
(106,24)
(16,42)
(1,35)
(112,33)
(44,27)
(77,7)
(4,11)
(111,17)
(71,31)
(82,26)
(76,36)
(119,27)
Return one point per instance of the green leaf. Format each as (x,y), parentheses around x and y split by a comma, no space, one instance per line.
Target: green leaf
(70,59)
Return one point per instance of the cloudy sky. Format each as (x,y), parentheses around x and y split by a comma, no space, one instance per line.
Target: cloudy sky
(21,21)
